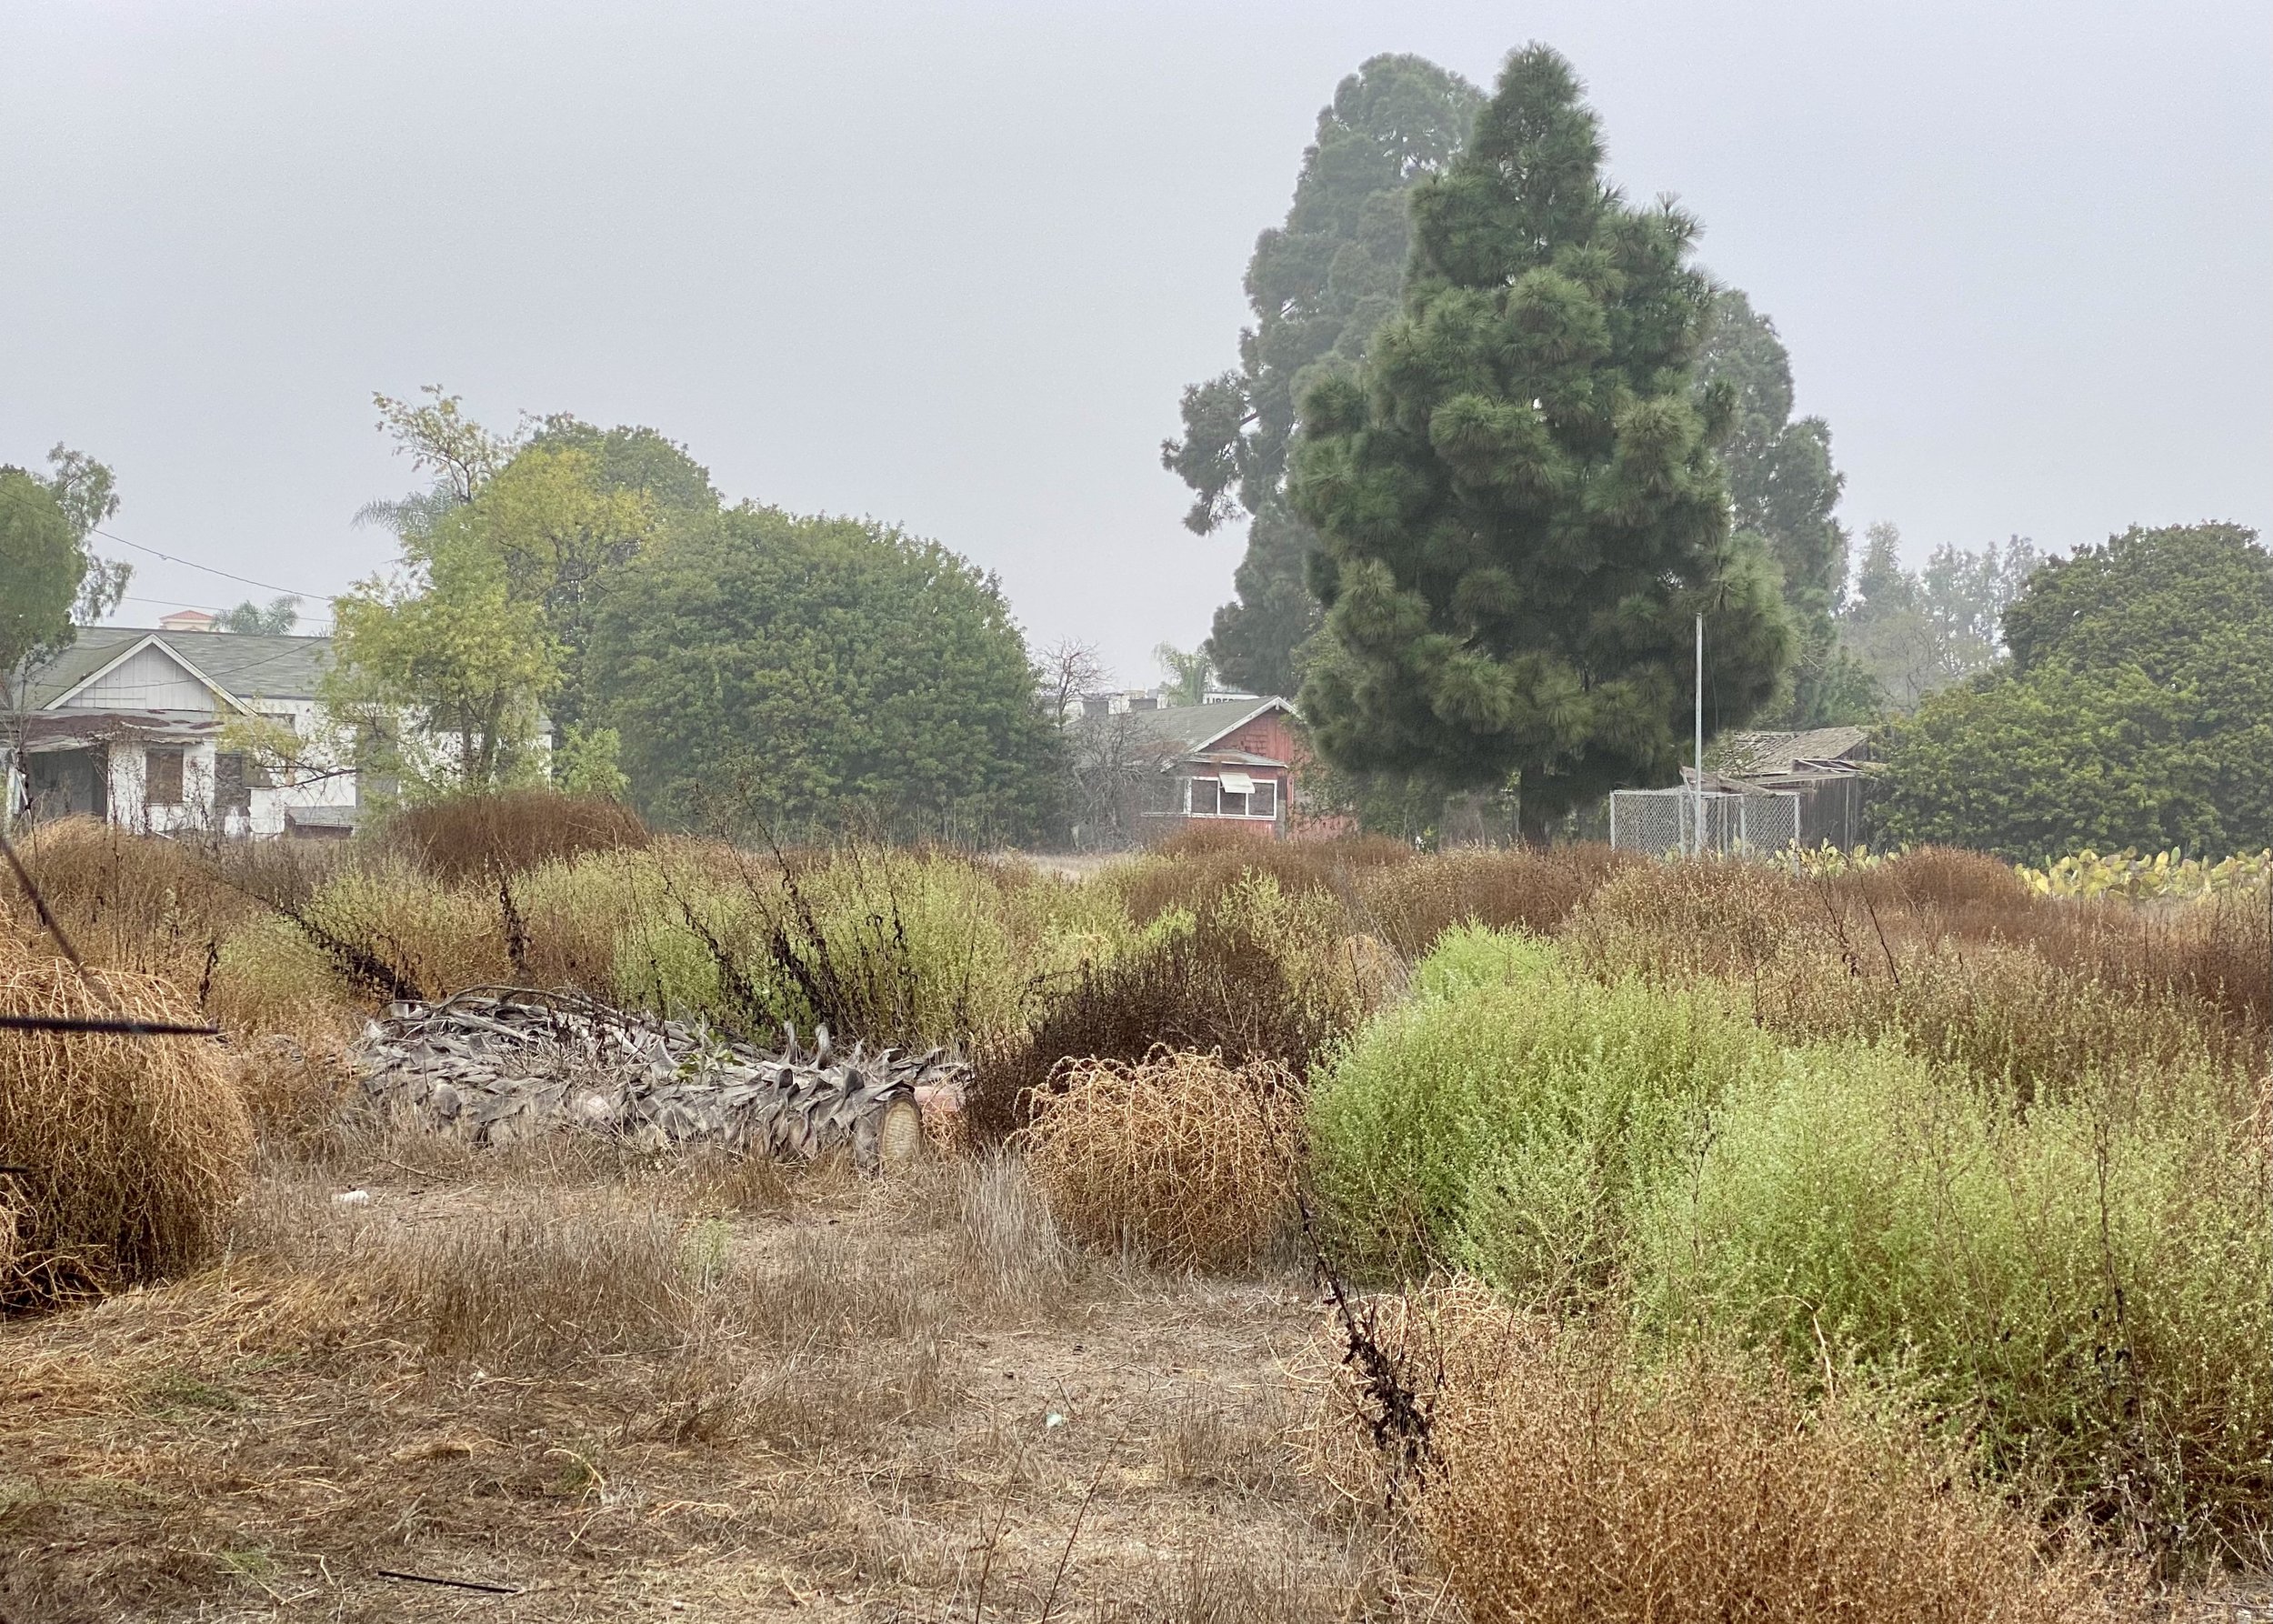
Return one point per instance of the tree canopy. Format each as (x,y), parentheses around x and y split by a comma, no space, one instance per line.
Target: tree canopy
(41,566)
(49,577)
(478,637)
(1907,633)
(441,671)
(280,614)
(792,673)
(2136,710)
(635,460)
(1516,489)
(1318,286)
(1783,488)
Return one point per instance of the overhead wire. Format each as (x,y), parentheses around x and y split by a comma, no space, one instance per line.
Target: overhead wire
(172,603)
(209,569)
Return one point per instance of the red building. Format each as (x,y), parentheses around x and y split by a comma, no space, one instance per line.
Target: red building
(1232,764)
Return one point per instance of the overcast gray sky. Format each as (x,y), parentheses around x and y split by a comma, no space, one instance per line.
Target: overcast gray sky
(950,264)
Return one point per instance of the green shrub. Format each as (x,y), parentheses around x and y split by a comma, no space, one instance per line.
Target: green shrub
(1190,872)
(1505,1123)
(268,976)
(1469,957)
(2081,1289)
(2012,995)
(893,945)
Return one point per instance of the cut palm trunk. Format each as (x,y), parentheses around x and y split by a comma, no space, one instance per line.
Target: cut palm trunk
(494,1063)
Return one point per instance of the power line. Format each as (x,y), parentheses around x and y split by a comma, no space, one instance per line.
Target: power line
(209,569)
(172,603)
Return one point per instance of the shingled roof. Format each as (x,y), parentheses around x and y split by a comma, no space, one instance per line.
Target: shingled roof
(1193,727)
(1779,754)
(246,664)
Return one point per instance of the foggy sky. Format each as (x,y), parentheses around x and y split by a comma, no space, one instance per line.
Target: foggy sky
(950,266)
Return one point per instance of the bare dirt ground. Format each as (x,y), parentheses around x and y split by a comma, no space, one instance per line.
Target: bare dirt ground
(626,1393)
(608,1391)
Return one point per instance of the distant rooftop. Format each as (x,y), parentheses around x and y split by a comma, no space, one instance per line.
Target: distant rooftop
(1193,726)
(248,664)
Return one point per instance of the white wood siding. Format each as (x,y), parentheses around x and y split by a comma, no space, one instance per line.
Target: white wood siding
(149,680)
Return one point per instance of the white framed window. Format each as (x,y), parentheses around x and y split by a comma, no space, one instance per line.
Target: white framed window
(1231,795)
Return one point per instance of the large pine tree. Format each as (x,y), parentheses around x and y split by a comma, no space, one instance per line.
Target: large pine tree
(1318,286)
(1516,491)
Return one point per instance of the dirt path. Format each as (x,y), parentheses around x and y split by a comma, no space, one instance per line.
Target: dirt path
(890,1396)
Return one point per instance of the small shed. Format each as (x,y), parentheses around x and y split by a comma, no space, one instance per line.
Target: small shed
(1828,767)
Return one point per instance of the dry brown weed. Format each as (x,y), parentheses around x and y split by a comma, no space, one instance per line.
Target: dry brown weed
(122,1153)
(1560,1481)
(1186,1161)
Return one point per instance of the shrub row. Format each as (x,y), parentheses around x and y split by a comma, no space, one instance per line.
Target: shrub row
(2054,1276)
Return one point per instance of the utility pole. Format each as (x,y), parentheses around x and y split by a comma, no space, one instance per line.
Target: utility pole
(1700,734)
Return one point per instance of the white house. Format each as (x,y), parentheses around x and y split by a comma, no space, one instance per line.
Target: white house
(135,726)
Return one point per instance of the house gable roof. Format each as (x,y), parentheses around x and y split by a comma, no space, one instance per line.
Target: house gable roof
(1193,727)
(241,666)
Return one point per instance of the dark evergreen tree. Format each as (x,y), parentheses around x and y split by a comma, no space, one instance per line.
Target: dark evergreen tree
(1516,490)
(1318,286)
(1782,487)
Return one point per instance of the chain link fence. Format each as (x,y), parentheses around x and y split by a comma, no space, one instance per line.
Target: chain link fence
(1664,822)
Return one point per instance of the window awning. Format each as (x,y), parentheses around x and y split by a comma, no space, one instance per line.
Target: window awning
(1238,782)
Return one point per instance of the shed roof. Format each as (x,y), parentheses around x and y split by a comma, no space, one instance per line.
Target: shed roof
(1779,754)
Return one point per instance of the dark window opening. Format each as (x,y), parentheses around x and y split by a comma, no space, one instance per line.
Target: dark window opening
(161,778)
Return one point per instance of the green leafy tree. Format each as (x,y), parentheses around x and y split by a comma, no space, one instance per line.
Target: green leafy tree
(1911,633)
(1318,286)
(50,578)
(635,460)
(41,566)
(523,526)
(560,530)
(87,492)
(1783,488)
(440,671)
(768,670)
(1518,491)
(280,615)
(2136,710)
(2166,601)
(40,570)
(458,452)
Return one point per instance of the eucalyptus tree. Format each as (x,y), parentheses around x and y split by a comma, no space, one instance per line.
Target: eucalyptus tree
(1318,285)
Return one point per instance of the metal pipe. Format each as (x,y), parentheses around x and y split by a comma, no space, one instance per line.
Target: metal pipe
(1700,734)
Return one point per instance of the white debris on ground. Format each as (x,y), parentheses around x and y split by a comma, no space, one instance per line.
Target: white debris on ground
(495,1064)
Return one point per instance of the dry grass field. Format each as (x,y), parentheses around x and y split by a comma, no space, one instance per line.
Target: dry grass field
(1877,1242)
(619,1391)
